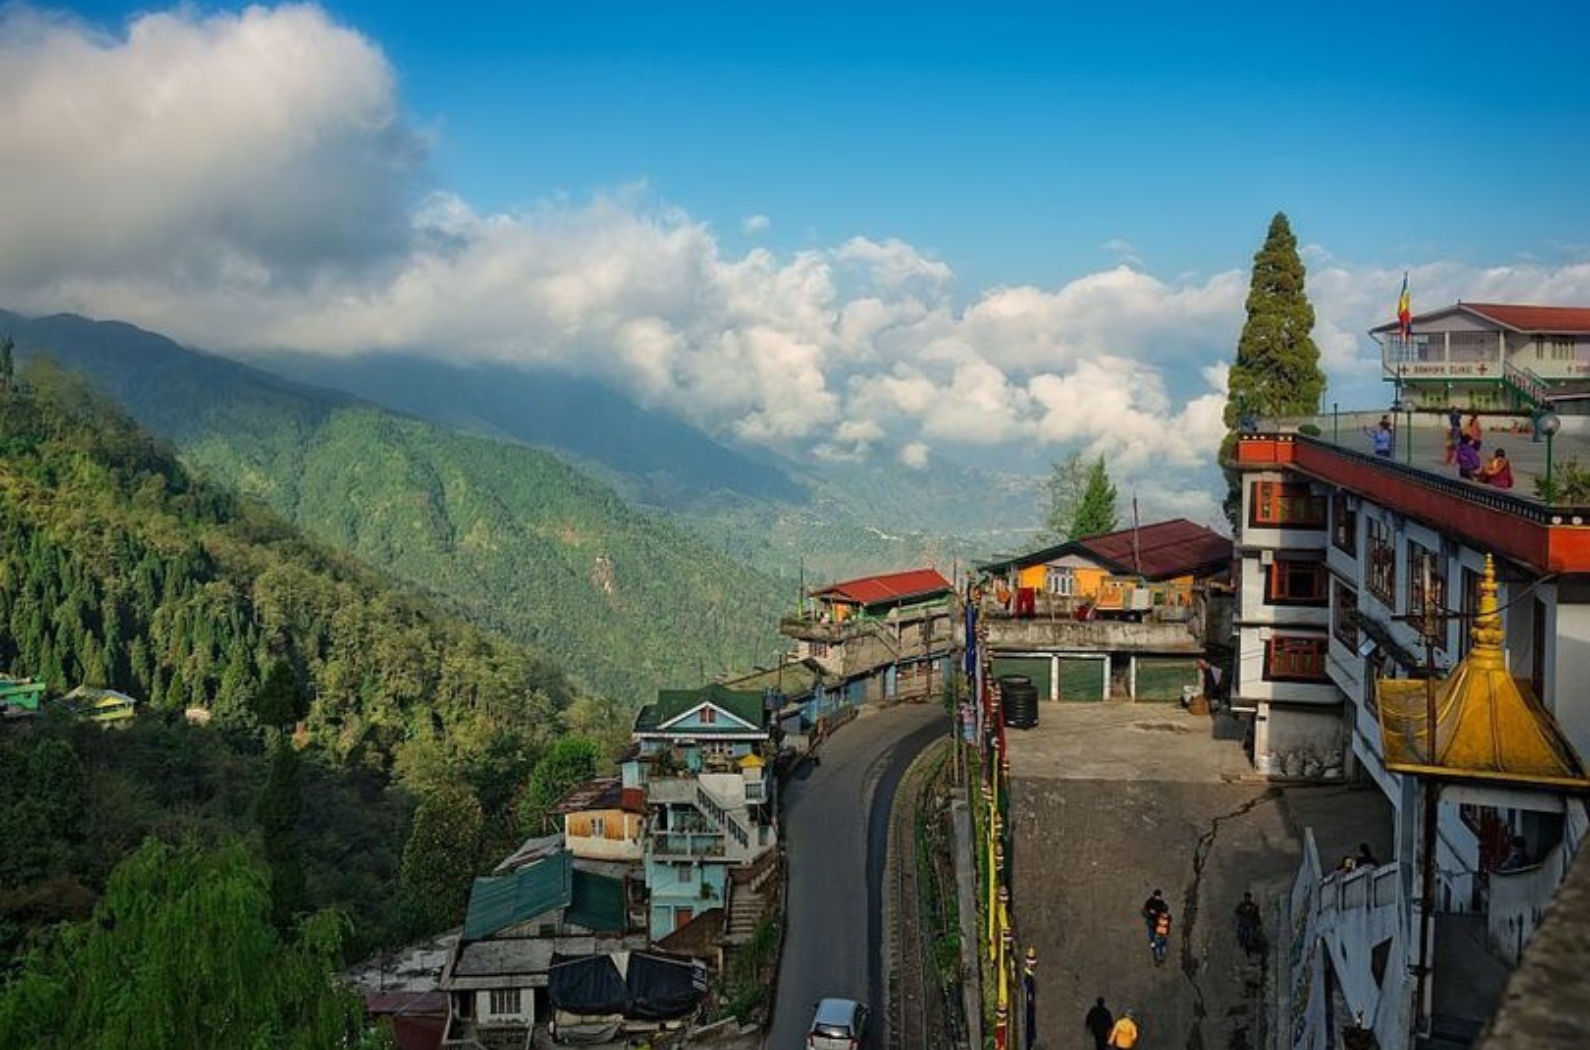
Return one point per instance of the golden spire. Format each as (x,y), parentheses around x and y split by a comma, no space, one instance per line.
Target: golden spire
(1480,723)
(1487,629)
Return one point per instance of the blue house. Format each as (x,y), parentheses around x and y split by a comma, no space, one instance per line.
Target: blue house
(702,758)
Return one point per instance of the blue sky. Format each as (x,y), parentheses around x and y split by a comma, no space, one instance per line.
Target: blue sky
(1017,145)
(839,230)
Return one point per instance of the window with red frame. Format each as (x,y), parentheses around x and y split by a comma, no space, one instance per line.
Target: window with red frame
(1293,659)
(1286,505)
(1296,583)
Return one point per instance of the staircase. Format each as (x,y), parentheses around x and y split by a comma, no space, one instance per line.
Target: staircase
(753,891)
(1529,390)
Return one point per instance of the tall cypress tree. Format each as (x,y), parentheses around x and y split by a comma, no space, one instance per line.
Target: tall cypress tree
(1276,372)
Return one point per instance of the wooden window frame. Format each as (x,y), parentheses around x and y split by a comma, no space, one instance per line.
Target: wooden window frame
(1296,658)
(1283,573)
(1286,505)
(1344,525)
(1380,563)
(504,1002)
(1433,631)
(1344,614)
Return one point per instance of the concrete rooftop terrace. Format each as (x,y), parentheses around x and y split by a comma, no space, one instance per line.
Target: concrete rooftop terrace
(1423,445)
(1416,482)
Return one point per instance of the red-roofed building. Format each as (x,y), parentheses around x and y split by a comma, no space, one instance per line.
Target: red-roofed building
(1125,614)
(1490,357)
(887,637)
(878,594)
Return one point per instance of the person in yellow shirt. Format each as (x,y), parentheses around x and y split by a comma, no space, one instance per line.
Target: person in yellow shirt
(1124,1035)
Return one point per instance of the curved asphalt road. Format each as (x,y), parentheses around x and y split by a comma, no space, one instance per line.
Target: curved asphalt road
(835,829)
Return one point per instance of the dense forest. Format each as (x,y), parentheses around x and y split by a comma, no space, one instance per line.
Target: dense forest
(295,706)
(504,535)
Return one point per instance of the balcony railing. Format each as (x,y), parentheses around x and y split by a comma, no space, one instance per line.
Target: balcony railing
(667,844)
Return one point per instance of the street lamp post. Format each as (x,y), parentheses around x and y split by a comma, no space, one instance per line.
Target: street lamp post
(1400,407)
(1549,424)
(1407,411)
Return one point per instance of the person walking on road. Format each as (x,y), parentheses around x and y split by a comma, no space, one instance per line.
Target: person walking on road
(1160,938)
(1153,908)
(1249,931)
(1100,1021)
(1123,1034)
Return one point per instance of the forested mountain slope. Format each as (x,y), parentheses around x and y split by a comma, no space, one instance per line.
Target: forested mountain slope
(836,517)
(508,536)
(119,568)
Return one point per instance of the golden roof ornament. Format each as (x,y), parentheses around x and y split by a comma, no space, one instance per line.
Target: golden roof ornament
(1479,724)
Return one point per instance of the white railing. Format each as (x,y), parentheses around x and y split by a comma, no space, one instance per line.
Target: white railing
(1518,899)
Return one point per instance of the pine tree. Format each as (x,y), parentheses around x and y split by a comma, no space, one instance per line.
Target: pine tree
(1095,513)
(279,702)
(7,365)
(1276,372)
(277,810)
(439,859)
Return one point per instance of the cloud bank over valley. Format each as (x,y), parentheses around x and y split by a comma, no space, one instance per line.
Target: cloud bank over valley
(251,181)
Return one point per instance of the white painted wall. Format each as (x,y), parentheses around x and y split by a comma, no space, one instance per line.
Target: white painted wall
(1568,663)
(1299,742)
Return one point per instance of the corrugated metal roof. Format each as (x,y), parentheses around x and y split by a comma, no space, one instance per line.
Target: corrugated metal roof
(1168,549)
(1163,550)
(1554,320)
(597,902)
(500,901)
(892,587)
(1563,319)
(601,793)
(744,705)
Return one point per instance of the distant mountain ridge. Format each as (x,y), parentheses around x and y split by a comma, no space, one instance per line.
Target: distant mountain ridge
(837,518)
(509,536)
(650,456)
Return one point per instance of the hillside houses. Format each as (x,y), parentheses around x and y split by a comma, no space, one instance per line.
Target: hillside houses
(883,638)
(1126,614)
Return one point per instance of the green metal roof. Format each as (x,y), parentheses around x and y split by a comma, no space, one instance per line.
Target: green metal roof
(501,901)
(798,678)
(597,903)
(745,705)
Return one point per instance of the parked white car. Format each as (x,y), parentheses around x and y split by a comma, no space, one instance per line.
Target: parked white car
(839,1024)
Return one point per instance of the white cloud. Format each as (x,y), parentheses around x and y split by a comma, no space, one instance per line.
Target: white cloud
(248,180)
(1124,250)
(915,455)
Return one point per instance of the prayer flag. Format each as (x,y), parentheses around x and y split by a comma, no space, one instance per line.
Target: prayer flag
(1404,311)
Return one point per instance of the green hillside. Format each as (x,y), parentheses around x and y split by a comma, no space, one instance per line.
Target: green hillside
(119,568)
(518,541)
(507,536)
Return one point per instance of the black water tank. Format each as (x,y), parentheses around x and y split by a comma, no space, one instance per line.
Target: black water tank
(1018,699)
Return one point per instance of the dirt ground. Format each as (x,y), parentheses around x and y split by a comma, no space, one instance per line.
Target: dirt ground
(1112,800)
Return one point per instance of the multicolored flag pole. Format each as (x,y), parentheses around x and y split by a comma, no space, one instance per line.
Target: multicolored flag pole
(1404,311)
